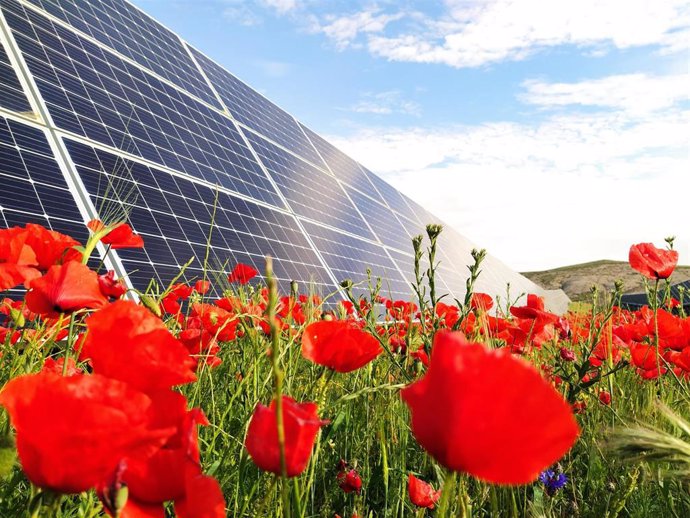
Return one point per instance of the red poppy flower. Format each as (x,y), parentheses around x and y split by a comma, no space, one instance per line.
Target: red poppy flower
(421,493)
(127,342)
(181,291)
(481,301)
(301,424)
(338,345)
(202,286)
(111,287)
(73,431)
(242,273)
(448,314)
(58,366)
(605,397)
(468,419)
(644,356)
(18,261)
(349,481)
(161,477)
(51,247)
(170,303)
(652,262)
(65,288)
(204,498)
(121,236)
(534,310)
(220,323)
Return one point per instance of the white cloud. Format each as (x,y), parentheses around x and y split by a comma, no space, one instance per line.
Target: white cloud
(570,188)
(343,30)
(281,6)
(634,93)
(238,12)
(386,103)
(473,33)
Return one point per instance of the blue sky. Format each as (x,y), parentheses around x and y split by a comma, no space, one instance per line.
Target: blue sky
(550,133)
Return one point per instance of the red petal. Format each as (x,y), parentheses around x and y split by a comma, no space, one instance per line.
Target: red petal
(338,345)
(73,431)
(301,424)
(488,413)
(65,288)
(127,342)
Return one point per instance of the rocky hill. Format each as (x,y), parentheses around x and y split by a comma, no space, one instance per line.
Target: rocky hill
(576,280)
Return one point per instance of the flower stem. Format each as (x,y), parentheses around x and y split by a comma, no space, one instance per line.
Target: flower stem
(278,378)
(446,495)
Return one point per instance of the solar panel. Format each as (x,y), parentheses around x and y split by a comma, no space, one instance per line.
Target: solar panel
(349,257)
(254,110)
(310,192)
(201,165)
(175,216)
(33,186)
(11,93)
(121,26)
(117,104)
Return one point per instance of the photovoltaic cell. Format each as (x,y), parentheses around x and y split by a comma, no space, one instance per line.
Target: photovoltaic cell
(310,192)
(343,167)
(394,198)
(122,27)
(32,187)
(94,93)
(175,217)
(349,258)
(383,222)
(252,109)
(11,93)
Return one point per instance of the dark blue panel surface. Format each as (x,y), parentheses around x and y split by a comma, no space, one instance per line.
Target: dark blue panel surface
(349,258)
(394,198)
(119,105)
(342,166)
(33,187)
(175,217)
(125,29)
(11,93)
(383,221)
(309,191)
(251,108)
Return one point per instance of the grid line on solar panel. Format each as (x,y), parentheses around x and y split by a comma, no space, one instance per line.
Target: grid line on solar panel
(127,30)
(12,95)
(349,257)
(392,197)
(382,221)
(34,188)
(255,111)
(309,191)
(341,165)
(119,105)
(174,216)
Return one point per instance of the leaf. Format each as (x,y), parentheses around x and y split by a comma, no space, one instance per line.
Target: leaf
(8,455)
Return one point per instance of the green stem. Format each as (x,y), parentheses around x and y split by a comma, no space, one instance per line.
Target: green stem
(446,495)
(655,307)
(278,378)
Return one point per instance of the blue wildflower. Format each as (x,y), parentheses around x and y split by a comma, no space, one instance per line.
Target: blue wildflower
(552,481)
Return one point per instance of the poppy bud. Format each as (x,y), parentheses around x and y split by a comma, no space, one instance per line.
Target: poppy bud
(349,481)
(301,424)
(605,397)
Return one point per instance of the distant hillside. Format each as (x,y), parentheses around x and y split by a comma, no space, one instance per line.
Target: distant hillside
(576,280)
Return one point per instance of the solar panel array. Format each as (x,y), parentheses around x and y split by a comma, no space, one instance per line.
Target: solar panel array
(104,111)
